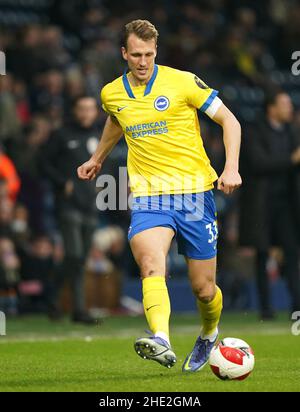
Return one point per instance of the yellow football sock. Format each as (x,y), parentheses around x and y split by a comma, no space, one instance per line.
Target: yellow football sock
(156,304)
(211,313)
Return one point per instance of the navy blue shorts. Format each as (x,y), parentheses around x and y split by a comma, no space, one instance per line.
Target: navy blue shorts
(193,218)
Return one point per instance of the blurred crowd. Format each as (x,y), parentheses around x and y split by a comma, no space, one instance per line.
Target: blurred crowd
(56,51)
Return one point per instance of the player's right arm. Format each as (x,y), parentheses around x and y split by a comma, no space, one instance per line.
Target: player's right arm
(111,134)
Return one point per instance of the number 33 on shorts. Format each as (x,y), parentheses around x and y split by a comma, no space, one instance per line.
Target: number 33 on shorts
(213,233)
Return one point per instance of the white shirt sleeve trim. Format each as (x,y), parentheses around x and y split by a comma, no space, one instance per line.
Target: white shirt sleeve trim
(213,107)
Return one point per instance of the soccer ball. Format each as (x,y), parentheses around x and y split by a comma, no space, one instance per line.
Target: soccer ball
(232,359)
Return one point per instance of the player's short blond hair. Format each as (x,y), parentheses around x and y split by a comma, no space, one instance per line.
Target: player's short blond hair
(143,29)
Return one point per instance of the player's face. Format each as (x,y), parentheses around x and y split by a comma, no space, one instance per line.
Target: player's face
(85,111)
(140,56)
(284,108)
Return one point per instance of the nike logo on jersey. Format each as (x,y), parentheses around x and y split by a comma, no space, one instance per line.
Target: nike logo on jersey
(151,307)
(121,108)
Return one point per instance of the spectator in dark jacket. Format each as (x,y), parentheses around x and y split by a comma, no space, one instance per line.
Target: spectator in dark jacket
(75,200)
(270,196)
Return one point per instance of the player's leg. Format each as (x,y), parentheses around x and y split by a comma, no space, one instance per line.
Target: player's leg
(202,274)
(197,234)
(150,248)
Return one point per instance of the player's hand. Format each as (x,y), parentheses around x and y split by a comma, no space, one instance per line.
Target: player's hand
(89,169)
(229,181)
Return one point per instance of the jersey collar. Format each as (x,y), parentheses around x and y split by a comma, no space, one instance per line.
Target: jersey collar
(148,86)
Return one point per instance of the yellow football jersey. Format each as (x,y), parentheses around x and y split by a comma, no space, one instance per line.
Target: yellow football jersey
(162,131)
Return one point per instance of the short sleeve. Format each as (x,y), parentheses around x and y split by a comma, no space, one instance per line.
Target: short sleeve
(103,98)
(197,93)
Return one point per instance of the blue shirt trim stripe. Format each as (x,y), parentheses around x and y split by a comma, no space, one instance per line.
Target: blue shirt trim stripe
(151,81)
(209,101)
(127,86)
(148,87)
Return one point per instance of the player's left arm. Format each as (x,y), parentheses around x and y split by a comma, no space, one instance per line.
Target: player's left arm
(230,178)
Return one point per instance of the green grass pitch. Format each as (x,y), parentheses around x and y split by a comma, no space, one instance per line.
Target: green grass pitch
(37,355)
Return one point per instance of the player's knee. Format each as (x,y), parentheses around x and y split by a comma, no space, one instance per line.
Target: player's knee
(150,266)
(205,291)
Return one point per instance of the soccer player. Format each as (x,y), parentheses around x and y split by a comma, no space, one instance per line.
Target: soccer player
(171,178)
